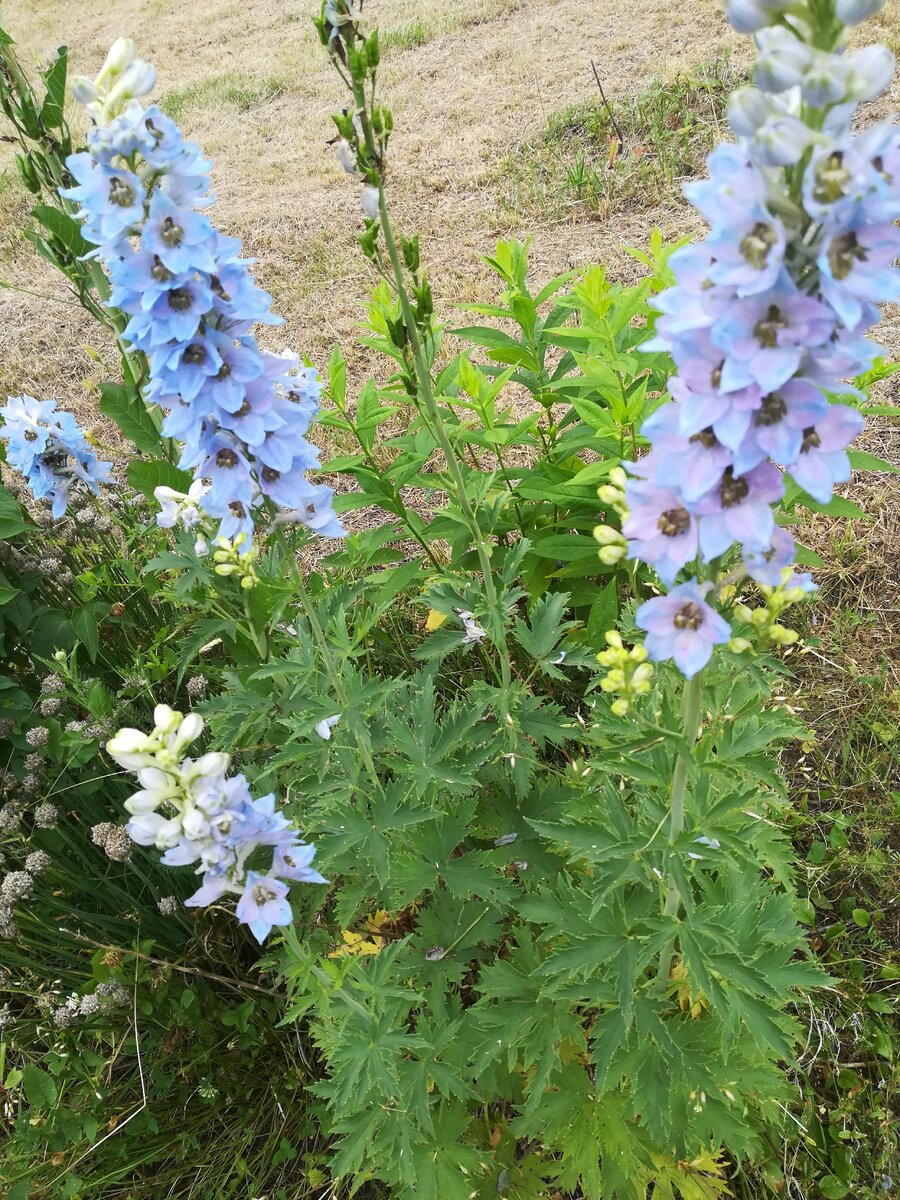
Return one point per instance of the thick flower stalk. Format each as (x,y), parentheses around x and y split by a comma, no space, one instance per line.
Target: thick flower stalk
(196,812)
(242,413)
(50,450)
(766,321)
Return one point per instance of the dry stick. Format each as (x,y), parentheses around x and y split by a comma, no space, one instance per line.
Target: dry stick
(607,105)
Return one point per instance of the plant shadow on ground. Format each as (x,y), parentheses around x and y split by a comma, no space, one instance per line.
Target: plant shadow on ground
(635,152)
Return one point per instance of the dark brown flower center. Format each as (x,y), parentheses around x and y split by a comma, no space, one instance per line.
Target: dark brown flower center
(706,437)
(171,233)
(689,616)
(674,522)
(30,435)
(195,354)
(715,376)
(216,284)
(180,299)
(844,253)
(733,491)
(245,409)
(756,245)
(766,330)
(159,271)
(270,475)
(811,440)
(238,509)
(226,458)
(121,193)
(772,411)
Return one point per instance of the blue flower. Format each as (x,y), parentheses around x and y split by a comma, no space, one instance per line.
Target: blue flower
(660,527)
(49,449)
(263,905)
(822,460)
(683,627)
(739,510)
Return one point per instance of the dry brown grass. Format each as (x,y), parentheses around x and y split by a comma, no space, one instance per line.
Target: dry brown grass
(251,84)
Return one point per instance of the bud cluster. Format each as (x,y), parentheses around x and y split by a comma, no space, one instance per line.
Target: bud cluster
(629,672)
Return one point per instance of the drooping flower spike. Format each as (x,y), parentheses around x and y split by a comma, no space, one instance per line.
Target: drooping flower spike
(767,320)
(194,811)
(50,450)
(242,413)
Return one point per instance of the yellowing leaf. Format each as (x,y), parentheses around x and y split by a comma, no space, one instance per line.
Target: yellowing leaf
(435,620)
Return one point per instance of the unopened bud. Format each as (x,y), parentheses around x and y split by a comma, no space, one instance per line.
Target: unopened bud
(121,55)
(783,60)
(740,645)
(84,90)
(851,12)
(748,108)
(870,72)
(620,707)
(610,555)
(782,141)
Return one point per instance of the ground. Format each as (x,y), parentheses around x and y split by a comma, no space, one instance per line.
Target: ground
(473,85)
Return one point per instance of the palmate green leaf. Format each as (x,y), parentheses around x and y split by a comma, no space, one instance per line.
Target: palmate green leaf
(546,626)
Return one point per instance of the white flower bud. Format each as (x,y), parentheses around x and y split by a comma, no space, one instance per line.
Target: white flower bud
(749,16)
(166,719)
(195,825)
(748,108)
(851,12)
(189,730)
(84,90)
(870,71)
(143,802)
(783,60)
(370,202)
(155,780)
(347,157)
(131,749)
(121,55)
(143,829)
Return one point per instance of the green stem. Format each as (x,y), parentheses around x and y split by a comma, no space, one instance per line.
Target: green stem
(432,413)
(691,697)
(332,669)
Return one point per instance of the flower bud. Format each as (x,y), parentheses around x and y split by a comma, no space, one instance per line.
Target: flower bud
(851,12)
(121,55)
(781,142)
(166,719)
(369,200)
(144,802)
(189,729)
(620,707)
(783,60)
(346,157)
(84,90)
(749,16)
(826,81)
(748,108)
(607,536)
(740,645)
(131,749)
(617,477)
(870,71)
(610,555)
(643,673)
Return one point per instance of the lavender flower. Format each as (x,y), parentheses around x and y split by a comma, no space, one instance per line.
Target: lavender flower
(767,318)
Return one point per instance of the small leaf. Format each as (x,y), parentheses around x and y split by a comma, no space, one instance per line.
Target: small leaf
(861,917)
(55,83)
(40,1090)
(12,518)
(84,622)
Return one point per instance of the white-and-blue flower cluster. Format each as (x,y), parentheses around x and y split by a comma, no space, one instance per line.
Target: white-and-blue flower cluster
(767,319)
(49,449)
(210,818)
(242,413)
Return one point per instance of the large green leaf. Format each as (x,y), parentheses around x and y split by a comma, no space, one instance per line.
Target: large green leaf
(55,83)
(40,1090)
(12,518)
(147,476)
(64,227)
(120,404)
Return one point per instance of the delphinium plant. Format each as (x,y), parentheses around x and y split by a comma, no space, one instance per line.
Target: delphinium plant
(560,951)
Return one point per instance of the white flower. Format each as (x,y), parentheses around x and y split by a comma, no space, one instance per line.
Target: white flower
(323,729)
(131,749)
(347,157)
(474,632)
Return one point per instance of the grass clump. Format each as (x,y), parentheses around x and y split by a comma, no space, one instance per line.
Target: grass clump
(233,89)
(633,152)
(405,37)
